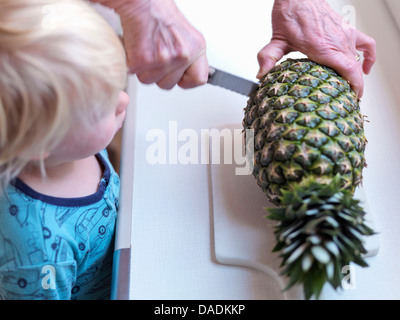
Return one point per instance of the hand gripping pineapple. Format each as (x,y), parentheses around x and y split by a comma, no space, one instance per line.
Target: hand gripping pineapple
(309,155)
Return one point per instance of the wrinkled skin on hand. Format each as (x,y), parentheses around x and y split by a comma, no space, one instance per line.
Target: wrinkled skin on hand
(162,46)
(315,29)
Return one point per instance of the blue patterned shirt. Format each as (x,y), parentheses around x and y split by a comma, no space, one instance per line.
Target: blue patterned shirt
(58,248)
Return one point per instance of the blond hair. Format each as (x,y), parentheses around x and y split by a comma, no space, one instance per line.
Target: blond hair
(60,62)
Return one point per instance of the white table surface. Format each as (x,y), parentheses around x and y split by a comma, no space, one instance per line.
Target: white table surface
(168,213)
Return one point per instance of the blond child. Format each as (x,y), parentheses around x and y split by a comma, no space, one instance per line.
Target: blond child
(62,75)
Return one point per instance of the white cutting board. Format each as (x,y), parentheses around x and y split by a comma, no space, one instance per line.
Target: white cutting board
(242,235)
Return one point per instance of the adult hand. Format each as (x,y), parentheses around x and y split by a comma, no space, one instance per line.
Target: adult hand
(315,29)
(162,46)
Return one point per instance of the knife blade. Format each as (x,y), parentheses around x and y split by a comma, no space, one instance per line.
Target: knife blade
(231,82)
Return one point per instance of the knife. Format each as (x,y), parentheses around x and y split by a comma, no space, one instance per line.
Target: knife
(231,82)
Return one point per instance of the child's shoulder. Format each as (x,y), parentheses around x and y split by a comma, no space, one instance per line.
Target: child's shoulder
(20,216)
(109,174)
(15,206)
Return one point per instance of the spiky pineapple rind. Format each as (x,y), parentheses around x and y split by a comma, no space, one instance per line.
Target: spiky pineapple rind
(309,148)
(306,122)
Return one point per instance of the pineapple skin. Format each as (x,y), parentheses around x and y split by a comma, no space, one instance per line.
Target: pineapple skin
(307,126)
(309,146)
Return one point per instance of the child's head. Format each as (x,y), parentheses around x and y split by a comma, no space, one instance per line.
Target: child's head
(62,70)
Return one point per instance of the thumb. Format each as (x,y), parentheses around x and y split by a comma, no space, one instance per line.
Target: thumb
(270,55)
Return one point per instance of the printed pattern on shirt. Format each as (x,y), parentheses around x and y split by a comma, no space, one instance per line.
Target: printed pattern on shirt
(50,251)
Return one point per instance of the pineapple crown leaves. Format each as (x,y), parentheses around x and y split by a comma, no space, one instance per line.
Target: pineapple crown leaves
(319,230)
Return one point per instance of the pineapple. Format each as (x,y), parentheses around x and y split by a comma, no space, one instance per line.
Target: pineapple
(309,148)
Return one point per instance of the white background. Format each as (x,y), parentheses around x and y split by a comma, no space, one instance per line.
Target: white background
(172,231)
